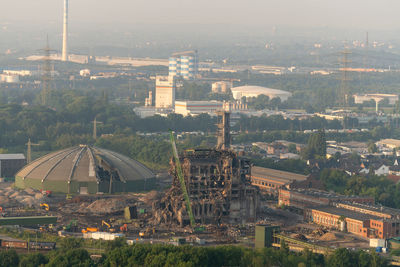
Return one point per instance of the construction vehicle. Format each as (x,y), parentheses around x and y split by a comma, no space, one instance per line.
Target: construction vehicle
(46,193)
(182,182)
(71,227)
(147,232)
(90,229)
(110,229)
(124,228)
(45,206)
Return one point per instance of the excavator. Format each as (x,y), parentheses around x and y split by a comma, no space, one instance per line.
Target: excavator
(71,227)
(45,206)
(110,229)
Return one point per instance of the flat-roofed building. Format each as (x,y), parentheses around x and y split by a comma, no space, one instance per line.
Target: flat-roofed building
(375,210)
(388,143)
(10,164)
(194,108)
(255,91)
(304,198)
(361,224)
(272,180)
(165,92)
(359,99)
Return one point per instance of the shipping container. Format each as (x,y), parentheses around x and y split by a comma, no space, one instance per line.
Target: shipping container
(14,244)
(42,245)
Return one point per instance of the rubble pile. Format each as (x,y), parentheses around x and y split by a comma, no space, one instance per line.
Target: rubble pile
(170,208)
(10,197)
(328,237)
(103,206)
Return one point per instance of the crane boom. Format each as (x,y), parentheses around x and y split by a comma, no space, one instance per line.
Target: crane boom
(182,181)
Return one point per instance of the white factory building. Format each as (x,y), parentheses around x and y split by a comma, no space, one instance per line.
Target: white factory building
(194,108)
(6,78)
(221,87)
(361,98)
(255,91)
(165,92)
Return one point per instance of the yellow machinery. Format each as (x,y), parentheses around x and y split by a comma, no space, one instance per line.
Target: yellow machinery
(108,225)
(90,229)
(45,206)
(147,232)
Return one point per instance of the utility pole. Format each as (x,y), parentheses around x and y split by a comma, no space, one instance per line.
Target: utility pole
(95,122)
(29,151)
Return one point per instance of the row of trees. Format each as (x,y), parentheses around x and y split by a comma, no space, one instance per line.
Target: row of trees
(120,254)
(385,191)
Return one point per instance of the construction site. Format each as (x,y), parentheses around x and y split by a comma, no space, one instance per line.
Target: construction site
(207,198)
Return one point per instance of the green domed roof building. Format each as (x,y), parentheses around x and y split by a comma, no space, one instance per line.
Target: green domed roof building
(86,170)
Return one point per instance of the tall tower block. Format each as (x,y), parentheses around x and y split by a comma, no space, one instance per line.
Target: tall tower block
(65,33)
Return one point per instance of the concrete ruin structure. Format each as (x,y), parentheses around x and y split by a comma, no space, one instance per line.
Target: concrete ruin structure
(218,184)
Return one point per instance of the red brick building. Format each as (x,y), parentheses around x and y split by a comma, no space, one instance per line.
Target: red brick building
(365,225)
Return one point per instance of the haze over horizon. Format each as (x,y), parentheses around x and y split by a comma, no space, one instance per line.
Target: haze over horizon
(356,14)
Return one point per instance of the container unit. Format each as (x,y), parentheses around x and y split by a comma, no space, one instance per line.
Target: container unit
(14,244)
(42,245)
(377,242)
(102,235)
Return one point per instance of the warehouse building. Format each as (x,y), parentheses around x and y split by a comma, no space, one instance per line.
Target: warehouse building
(10,164)
(86,170)
(271,180)
(255,91)
(304,198)
(194,108)
(358,223)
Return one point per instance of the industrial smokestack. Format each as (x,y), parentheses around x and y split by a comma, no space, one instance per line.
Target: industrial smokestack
(65,33)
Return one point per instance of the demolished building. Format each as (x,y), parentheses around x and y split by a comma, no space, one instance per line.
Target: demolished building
(218,184)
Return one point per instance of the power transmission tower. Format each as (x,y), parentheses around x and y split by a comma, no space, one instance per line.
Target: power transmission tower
(46,74)
(344,95)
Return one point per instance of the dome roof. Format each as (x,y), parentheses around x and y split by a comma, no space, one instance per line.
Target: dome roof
(84,164)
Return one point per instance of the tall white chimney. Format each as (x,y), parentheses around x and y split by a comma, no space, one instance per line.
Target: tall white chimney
(65,33)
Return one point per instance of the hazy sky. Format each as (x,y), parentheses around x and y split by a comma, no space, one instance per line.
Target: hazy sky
(357,14)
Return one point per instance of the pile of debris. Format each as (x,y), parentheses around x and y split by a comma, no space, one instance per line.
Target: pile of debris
(328,237)
(299,237)
(318,232)
(10,197)
(103,206)
(170,209)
